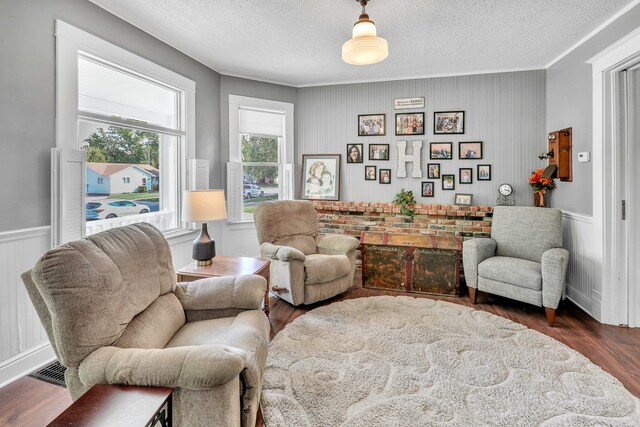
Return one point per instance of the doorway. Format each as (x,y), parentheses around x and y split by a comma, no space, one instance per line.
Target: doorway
(616,181)
(629,176)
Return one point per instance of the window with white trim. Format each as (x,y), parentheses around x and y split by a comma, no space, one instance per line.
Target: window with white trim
(134,124)
(260,154)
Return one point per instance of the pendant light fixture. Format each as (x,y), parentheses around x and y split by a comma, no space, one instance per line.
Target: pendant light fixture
(365,47)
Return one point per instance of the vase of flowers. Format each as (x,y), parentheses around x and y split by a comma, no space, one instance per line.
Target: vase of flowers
(541,186)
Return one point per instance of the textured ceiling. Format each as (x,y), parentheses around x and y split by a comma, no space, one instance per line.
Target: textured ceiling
(298,42)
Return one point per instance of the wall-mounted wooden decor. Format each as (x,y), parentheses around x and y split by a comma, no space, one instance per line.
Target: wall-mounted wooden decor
(560,145)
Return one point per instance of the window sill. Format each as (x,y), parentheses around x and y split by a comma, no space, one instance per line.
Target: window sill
(247,224)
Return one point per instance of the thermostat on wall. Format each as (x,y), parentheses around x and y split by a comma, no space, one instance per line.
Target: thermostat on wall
(584,157)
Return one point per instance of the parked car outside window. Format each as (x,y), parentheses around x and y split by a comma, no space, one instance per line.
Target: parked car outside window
(252,190)
(106,209)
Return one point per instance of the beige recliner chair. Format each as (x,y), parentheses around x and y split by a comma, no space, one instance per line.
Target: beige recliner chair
(305,268)
(115,315)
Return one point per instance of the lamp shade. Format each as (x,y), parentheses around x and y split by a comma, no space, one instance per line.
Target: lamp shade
(365,47)
(203,206)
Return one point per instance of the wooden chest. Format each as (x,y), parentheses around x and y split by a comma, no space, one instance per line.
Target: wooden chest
(411,263)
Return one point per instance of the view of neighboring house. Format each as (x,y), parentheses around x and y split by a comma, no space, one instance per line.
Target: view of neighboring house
(118,178)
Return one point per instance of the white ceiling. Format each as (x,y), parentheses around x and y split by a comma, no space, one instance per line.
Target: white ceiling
(298,42)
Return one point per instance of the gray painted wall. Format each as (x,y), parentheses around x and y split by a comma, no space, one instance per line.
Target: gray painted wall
(506,111)
(570,104)
(27,104)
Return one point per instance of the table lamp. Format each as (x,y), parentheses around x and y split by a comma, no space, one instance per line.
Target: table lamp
(203,206)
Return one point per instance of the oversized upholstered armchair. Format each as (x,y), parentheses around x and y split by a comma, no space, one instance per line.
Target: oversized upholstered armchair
(523,260)
(305,268)
(115,315)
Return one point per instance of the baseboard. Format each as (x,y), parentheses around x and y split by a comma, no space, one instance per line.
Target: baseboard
(23,363)
(582,301)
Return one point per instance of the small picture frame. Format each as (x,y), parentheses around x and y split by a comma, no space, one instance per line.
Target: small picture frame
(427,188)
(448,182)
(433,170)
(378,151)
(465,176)
(441,150)
(463,199)
(370,173)
(354,153)
(448,122)
(409,123)
(385,176)
(371,124)
(320,177)
(484,173)
(470,150)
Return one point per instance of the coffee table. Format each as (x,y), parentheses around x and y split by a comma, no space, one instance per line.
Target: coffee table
(228,266)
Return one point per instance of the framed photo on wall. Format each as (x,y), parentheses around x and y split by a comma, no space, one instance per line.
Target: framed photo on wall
(385,176)
(433,170)
(448,182)
(463,199)
(470,150)
(484,173)
(320,176)
(370,173)
(378,151)
(451,122)
(465,176)
(427,189)
(409,123)
(441,150)
(371,125)
(354,153)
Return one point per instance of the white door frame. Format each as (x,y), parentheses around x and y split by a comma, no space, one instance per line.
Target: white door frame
(607,209)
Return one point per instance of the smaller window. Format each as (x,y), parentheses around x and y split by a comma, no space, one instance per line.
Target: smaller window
(100,180)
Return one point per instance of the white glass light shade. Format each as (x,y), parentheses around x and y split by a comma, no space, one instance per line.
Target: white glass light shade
(203,206)
(365,47)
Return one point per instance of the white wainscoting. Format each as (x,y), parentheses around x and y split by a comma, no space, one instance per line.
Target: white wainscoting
(583,284)
(24,345)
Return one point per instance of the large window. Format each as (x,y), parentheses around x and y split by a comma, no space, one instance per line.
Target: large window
(260,153)
(133,122)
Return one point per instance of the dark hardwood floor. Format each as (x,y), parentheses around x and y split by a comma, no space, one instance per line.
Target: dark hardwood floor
(30,402)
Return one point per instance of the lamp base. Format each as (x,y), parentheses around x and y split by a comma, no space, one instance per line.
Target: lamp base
(204,248)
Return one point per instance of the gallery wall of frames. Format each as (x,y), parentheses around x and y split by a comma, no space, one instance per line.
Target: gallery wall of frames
(450,140)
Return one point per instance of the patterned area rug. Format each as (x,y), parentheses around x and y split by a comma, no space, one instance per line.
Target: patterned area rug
(401,361)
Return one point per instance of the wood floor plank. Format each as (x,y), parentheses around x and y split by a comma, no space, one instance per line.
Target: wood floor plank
(30,402)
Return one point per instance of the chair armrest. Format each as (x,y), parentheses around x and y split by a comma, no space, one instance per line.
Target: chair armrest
(212,293)
(337,244)
(282,253)
(475,251)
(554,272)
(192,367)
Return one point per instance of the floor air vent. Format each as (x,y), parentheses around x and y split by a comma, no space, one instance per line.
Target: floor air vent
(52,373)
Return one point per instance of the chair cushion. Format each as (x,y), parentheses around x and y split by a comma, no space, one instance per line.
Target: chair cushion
(287,223)
(325,268)
(514,271)
(248,331)
(526,232)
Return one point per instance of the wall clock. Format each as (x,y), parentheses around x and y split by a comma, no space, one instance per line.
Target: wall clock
(506,195)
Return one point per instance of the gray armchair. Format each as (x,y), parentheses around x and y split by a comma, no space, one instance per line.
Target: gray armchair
(523,259)
(305,268)
(115,315)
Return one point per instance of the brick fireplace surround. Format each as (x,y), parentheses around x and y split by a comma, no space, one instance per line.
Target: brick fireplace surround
(352,218)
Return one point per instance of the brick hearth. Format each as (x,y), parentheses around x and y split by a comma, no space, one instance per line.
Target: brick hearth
(352,218)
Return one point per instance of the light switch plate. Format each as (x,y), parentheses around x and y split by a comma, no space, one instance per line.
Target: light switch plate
(584,157)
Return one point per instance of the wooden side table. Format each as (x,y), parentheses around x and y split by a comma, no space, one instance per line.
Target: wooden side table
(110,405)
(229,266)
